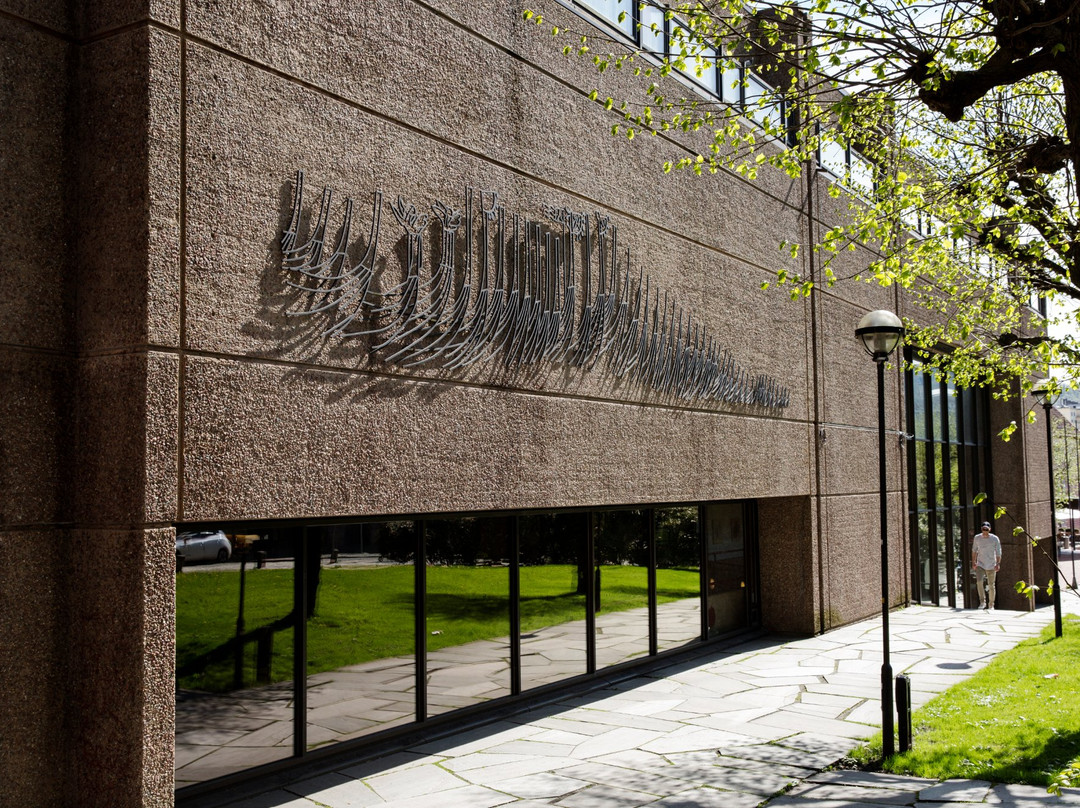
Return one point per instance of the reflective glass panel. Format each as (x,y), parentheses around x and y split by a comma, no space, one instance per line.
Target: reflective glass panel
(834,159)
(611,10)
(861,176)
(922,475)
(954,475)
(974,484)
(700,62)
(468,611)
(937,492)
(678,577)
(726,568)
(937,410)
(360,632)
(760,104)
(925,577)
(622,581)
(959,567)
(922,424)
(652,29)
(942,565)
(234,652)
(953,414)
(554,578)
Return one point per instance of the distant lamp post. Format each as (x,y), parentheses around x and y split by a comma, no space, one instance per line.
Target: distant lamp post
(1041,391)
(880,332)
(1068,495)
(1072,510)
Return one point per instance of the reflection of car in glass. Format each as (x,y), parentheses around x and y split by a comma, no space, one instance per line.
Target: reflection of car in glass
(203,545)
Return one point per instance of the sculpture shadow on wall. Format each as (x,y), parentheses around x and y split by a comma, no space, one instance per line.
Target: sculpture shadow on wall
(481,296)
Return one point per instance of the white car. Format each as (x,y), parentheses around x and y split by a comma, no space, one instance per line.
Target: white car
(203,545)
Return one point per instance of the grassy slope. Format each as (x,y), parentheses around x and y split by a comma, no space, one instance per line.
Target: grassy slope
(1015,721)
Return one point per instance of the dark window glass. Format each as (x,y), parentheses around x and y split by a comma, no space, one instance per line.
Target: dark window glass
(926,589)
(234,652)
(937,410)
(726,567)
(949,469)
(953,488)
(678,577)
(959,567)
(622,581)
(468,611)
(953,414)
(969,398)
(921,427)
(941,542)
(922,479)
(361,660)
(554,583)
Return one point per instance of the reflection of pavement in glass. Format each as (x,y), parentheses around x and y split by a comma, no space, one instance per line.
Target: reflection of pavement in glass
(221,734)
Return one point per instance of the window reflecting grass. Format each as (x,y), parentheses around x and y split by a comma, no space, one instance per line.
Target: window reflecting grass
(678,577)
(554,584)
(468,611)
(234,665)
(622,581)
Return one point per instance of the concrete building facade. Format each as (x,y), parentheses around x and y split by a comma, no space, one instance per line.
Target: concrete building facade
(167,367)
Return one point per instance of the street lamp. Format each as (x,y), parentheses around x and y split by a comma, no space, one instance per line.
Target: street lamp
(1041,391)
(1068,494)
(880,332)
(1072,511)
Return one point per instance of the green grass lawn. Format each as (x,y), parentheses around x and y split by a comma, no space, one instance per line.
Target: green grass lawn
(1015,721)
(364,614)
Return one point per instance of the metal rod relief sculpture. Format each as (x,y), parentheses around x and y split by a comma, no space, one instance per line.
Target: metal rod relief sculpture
(514,290)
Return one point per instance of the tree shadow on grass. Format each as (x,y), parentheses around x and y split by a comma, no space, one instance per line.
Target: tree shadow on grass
(1037,766)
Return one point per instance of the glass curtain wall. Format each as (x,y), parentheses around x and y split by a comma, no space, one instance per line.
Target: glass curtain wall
(468,611)
(235,653)
(621,541)
(678,576)
(359,629)
(948,463)
(291,639)
(553,568)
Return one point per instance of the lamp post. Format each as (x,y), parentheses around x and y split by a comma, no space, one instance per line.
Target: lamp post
(880,332)
(1041,391)
(1068,492)
(1072,513)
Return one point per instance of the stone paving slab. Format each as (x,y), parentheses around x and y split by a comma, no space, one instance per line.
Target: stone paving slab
(957,791)
(874,780)
(707,798)
(855,793)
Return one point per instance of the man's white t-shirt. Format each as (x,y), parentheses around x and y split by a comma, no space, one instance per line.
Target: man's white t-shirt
(987,551)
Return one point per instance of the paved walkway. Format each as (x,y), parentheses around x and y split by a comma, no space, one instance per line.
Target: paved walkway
(729,730)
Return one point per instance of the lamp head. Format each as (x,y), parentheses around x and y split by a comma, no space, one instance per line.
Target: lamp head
(1043,391)
(880,332)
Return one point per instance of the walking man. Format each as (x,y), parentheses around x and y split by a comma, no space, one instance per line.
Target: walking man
(985,562)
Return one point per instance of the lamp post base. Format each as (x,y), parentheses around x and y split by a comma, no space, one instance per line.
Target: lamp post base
(888,728)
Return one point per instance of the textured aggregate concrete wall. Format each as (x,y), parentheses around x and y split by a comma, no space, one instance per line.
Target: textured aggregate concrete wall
(88,421)
(265,97)
(36,376)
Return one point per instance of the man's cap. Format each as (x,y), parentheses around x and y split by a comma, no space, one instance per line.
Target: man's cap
(986,524)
